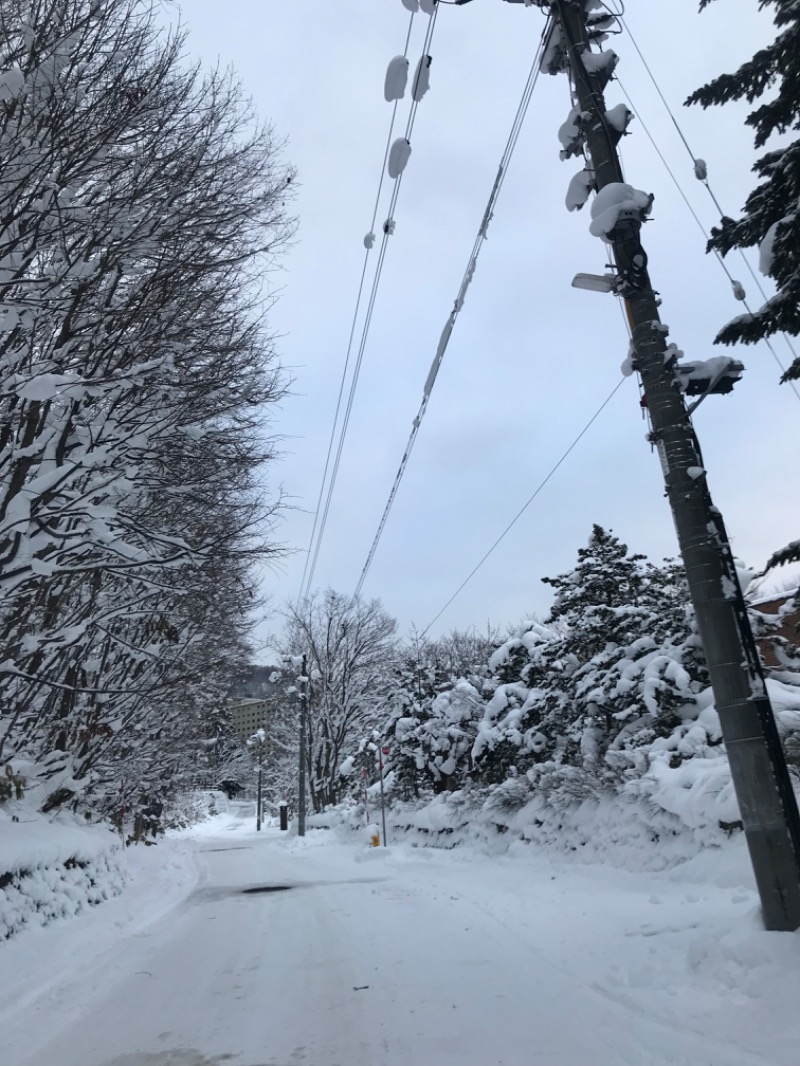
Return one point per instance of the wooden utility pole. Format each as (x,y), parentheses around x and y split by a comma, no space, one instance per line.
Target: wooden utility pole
(758,767)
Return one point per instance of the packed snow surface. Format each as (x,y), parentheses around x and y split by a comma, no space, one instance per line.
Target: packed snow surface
(325,951)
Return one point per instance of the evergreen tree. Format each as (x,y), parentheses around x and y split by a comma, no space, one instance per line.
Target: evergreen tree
(771,217)
(435,706)
(629,662)
(417,679)
(544,705)
(509,737)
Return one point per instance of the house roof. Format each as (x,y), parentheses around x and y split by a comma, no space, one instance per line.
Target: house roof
(789,627)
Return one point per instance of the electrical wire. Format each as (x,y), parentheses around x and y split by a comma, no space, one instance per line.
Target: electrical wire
(387,230)
(578,438)
(508,151)
(352,328)
(527,504)
(321,512)
(705,182)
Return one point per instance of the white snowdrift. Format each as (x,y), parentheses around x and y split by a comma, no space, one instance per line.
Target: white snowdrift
(51,870)
(36,841)
(679,804)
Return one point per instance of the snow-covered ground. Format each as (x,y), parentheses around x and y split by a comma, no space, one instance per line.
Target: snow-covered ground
(52,868)
(403,957)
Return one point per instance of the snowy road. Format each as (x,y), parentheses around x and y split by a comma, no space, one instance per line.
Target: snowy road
(292,953)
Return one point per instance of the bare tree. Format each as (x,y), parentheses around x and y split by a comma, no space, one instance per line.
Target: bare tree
(140,204)
(350,646)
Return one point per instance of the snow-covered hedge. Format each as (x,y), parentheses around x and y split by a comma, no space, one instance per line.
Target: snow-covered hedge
(51,870)
(623,830)
(678,800)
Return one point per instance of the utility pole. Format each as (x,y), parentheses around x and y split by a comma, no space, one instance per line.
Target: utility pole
(258,800)
(383,798)
(257,743)
(301,799)
(758,767)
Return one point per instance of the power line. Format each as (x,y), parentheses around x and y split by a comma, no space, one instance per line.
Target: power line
(527,504)
(387,231)
(353,327)
(499,181)
(320,522)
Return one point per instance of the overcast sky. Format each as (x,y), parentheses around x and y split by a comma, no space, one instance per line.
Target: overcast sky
(531,358)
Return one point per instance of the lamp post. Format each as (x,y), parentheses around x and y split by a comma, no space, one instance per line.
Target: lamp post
(301,661)
(256,742)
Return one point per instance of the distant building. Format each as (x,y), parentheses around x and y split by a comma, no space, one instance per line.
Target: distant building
(247,716)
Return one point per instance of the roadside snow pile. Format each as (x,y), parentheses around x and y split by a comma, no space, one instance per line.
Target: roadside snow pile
(679,802)
(52,869)
(623,831)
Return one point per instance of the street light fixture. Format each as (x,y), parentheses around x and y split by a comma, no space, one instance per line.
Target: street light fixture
(596,282)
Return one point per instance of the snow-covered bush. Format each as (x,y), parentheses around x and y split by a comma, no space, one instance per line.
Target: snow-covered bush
(52,869)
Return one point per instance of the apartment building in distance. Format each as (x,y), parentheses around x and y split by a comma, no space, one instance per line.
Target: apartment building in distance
(247,716)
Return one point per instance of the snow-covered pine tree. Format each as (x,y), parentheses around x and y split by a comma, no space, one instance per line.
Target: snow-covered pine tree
(434,705)
(588,598)
(631,659)
(771,217)
(416,681)
(523,670)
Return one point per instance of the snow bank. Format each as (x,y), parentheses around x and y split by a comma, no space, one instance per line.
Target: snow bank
(36,841)
(42,967)
(619,830)
(678,804)
(658,807)
(52,869)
